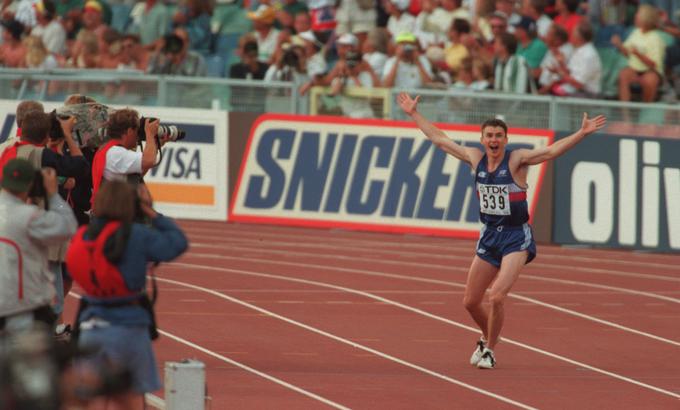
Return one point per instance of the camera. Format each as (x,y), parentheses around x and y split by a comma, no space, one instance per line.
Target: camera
(291,58)
(56,132)
(91,122)
(353,59)
(171,132)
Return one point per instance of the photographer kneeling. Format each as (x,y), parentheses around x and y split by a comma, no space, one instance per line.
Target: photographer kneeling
(109,259)
(115,160)
(26,287)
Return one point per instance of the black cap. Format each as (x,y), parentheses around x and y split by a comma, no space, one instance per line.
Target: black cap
(527,23)
(14,27)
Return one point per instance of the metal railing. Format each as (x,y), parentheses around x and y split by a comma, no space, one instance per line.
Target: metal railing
(452,105)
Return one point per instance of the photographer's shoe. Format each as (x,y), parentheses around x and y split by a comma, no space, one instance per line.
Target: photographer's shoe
(488,360)
(477,354)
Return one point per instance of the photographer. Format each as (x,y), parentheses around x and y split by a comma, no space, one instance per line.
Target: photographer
(23,108)
(354,72)
(407,69)
(109,260)
(115,160)
(26,231)
(290,66)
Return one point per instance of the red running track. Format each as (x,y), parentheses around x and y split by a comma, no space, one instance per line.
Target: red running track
(304,318)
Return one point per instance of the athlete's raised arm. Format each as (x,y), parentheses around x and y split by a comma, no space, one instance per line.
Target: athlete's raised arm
(469,155)
(536,156)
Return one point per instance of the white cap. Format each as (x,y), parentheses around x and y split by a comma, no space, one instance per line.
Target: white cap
(348,39)
(309,36)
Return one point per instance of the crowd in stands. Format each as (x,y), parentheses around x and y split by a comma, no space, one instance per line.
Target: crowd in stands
(557,47)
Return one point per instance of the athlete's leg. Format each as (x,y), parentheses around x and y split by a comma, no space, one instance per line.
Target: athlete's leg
(510,268)
(479,278)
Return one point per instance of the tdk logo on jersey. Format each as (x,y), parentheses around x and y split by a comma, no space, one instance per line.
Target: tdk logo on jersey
(481,174)
(364,174)
(502,173)
(493,189)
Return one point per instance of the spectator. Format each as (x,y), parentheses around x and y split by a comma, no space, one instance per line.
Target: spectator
(151,20)
(316,63)
(322,13)
(12,50)
(440,70)
(444,16)
(456,51)
(345,44)
(48,28)
(23,108)
(265,34)
(194,17)
(568,16)
(65,7)
(507,7)
(31,230)
(407,69)
(375,49)
(474,75)
(293,8)
(645,50)
(400,21)
(37,56)
(536,10)
(356,16)
(559,49)
(175,58)
(25,13)
(511,73)
(426,28)
(531,48)
(132,56)
(120,323)
(302,22)
(87,53)
(582,75)
(110,54)
(249,68)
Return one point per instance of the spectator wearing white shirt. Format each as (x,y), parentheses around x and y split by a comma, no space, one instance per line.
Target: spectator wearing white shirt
(582,75)
(559,49)
(426,28)
(375,49)
(408,68)
(450,10)
(400,21)
(354,72)
(266,35)
(50,31)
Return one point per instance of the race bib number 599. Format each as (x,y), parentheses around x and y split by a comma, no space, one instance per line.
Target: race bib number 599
(494,199)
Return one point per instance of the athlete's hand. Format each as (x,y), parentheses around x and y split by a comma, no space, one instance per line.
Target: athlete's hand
(407,103)
(589,126)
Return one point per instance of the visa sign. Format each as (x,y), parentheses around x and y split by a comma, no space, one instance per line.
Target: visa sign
(363,174)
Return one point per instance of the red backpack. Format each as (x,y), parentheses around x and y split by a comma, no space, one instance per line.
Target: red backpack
(90,268)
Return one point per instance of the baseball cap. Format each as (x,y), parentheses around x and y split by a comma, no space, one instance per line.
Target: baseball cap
(18,175)
(405,37)
(527,23)
(93,5)
(14,28)
(348,39)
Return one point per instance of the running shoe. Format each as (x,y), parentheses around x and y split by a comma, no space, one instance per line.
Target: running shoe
(488,360)
(477,354)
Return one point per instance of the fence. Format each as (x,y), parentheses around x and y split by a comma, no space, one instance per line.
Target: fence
(456,106)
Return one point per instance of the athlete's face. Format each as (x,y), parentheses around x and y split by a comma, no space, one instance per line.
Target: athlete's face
(494,140)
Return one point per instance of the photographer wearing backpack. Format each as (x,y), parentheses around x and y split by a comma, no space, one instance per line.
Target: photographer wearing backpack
(109,260)
(26,231)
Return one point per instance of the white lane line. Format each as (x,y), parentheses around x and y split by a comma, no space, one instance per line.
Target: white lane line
(411,309)
(457,268)
(450,244)
(245,367)
(449,255)
(513,295)
(352,344)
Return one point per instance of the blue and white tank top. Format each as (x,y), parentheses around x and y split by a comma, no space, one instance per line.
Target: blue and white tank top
(501,201)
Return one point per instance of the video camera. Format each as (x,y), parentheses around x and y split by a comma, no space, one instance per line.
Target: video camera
(90,127)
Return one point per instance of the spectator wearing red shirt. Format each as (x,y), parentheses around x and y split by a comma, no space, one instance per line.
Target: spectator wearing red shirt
(567,16)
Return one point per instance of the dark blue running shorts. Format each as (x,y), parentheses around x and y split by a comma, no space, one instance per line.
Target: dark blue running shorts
(496,242)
